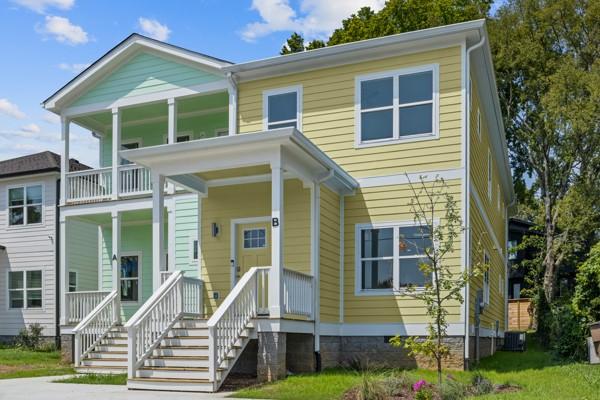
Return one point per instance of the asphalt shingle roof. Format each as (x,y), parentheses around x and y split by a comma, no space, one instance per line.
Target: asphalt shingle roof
(38,163)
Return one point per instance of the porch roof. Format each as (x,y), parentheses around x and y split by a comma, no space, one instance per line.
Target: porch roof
(288,147)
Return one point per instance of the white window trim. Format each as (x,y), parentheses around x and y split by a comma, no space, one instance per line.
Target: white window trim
(489,174)
(139,277)
(25,223)
(179,134)
(76,281)
(358,143)
(137,140)
(288,89)
(266,246)
(486,285)
(24,290)
(358,291)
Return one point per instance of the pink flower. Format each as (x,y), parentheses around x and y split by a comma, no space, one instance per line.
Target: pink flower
(418,385)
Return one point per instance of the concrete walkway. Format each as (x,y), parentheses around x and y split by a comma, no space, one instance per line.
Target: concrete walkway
(44,388)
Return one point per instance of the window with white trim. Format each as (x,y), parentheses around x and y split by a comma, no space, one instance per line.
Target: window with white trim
(478,123)
(25,205)
(489,175)
(130,277)
(194,250)
(397,105)
(25,289)
(72,281)
(486,278)
(282,108)
(129,145)
(255,238)
(390,257)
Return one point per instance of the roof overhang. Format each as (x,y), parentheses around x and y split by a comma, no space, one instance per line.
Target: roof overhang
(123,51)
(286,147)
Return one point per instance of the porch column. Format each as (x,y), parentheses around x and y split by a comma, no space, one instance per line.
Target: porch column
(158,233)
(63,280)
(116,147)
(232,92)
(116,258)
(276,272)
(171,234)
(65,125)
(171,134)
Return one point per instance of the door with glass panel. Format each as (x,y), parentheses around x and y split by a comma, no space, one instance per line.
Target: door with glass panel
(254,250)
(130,278)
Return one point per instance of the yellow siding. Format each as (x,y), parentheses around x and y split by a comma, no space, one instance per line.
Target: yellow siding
(328,115)
(481,238)
(244,201)
(386,204)
(329,276)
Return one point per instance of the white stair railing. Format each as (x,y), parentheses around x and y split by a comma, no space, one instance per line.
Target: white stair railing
(89,185)
(148,326)
(80,304)
(134,179)
(94,327)
(232,318)
(297,293)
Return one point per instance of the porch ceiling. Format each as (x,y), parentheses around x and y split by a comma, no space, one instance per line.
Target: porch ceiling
(286,147)
(126,217)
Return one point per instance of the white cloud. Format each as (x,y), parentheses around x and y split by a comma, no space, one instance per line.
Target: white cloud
(31,128)
(40,6)
(10,109)
(154,29)
(62,30)
(75,68)
(51,118)
(316,19)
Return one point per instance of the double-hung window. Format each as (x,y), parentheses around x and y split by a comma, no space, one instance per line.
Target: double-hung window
(486,278)
(25,289)
(72,281)
(397,105)
(282,108)
(389,257)
(25,205)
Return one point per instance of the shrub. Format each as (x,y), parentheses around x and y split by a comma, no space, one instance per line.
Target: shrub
(481,385)
(453,390)
(568,331)
(29,338)
(370,388)
(397,384)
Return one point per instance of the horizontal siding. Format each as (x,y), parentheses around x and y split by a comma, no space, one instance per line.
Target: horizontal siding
(82,253)
(29,247)
(144,74)
(328,115)
(387,204)
(186,230)
(329,269)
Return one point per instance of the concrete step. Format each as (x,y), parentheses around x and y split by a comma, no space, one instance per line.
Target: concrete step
(181,361)
(175,351)
(179,385)
(101,370)
(110,347)
(185,341)
(174,372)
(190,323)
(104,362)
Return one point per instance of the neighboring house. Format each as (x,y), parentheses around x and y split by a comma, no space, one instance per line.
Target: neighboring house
(517,229)
(272,198)
(28,238)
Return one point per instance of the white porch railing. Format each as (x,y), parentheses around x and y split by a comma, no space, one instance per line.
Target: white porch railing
(147,327)
(80,304)
(89,185)
(297,293)
(192,296)
(92,329)
(232,317)
(134,180)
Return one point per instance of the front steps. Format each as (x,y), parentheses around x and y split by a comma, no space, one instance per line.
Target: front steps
(180,362)
(107,357)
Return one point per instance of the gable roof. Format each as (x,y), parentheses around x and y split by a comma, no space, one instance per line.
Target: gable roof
(34,164)
(130,45)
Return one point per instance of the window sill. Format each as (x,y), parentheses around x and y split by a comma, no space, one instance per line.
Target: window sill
(386,292)
(385,142)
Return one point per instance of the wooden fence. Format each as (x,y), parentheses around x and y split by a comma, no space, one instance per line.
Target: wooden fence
(520,315)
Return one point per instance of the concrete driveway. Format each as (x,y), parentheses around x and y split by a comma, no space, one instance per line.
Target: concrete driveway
(44,388)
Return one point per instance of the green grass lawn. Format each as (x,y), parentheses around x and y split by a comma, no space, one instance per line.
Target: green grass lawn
(97,379)
(536,372)
(16,363)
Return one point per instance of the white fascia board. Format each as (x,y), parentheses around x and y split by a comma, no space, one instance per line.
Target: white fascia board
(357,51)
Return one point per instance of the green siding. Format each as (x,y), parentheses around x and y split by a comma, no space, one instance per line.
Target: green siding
(186,230)
(144,74)
(81,253)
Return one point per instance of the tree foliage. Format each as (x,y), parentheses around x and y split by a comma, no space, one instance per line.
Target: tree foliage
(586,300)
(295,44)
(447,282)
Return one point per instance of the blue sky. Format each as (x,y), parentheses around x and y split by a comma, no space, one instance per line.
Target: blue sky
(47,42)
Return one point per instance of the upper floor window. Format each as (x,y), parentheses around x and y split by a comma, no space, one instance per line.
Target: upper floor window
(390,257)
(25,205)
(486,278)
(25,289)
(282,108)
(397,105)
(72,281)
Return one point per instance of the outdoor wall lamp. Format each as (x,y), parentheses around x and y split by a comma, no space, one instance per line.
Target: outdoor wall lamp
(215,229)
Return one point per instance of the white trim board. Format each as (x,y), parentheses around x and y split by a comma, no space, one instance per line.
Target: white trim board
(403,179)
(487,222)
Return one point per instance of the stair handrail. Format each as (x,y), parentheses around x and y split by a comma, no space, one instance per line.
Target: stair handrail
(149,325)
(231,319)
(95,326)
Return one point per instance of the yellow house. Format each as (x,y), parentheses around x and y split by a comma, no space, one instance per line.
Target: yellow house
(247,217)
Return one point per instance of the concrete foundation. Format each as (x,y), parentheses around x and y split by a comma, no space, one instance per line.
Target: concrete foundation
(300,354)
(271,360)
(66,348)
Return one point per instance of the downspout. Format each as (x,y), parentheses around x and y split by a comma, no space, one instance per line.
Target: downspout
(467,194)
(317,255)
(57,265)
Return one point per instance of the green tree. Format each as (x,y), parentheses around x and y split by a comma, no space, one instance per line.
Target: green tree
(586,300)
(447,282)
(294,44)
(548,72)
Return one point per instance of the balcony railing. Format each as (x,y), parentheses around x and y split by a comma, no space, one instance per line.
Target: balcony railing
(134,180)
